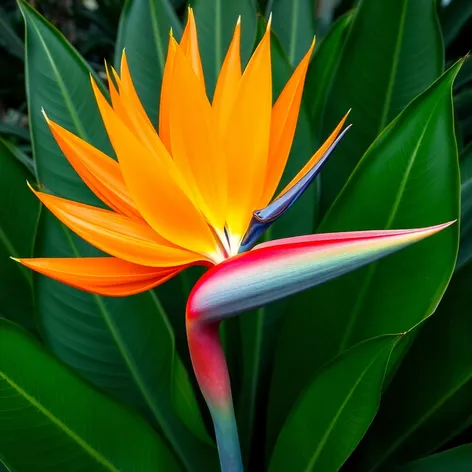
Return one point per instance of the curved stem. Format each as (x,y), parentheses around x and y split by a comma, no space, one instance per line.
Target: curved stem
(210,368)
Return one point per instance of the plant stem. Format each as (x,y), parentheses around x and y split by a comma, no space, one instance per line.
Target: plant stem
(210,368)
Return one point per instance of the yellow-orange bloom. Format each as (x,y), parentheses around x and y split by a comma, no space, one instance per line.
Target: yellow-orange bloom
(185,194)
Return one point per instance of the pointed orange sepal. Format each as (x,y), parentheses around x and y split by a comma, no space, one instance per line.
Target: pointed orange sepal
(189,44)
(283,125)
(317,156)
(102,275)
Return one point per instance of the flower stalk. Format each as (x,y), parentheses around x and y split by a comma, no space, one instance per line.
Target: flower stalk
(211,370)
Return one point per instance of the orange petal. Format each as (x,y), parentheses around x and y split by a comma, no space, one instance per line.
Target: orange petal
(116,99)
(282,127)
(247,139)
(129,109)
(189,44)
(138,122)
(317,156)
(117,235)
(128,87)
(228,82)
(114,95)
(102,275)
(154,187)
(101,173)
(195,146)
(164,130)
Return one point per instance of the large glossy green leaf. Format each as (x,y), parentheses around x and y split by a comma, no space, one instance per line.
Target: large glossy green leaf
(20,155)
(125,346)
(144,32)
(19,212)
(408,178)
(294,23)
(465,247)
(9,38)
(392,53)
(51,420)
(432,388)
(454,17)
(334,412)
(322,68)
(465,75)
(259,329)
(463,105)
(458,459)
(216,20)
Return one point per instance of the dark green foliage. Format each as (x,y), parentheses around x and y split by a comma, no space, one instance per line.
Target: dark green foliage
(370,372)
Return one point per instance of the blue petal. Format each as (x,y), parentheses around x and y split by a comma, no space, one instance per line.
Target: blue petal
(263,218)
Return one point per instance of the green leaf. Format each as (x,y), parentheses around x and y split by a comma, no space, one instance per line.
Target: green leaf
(216,20)
(144,32)
(19,213)
(19,154)
(53,421)
(465,247)
(392,53)
(125,346)
(185,402)
(57,79)
(453,18)
(322,68)
(432,388)
(458,459)
(334,412)
(463,105)
(178,4)
(8,37)
(9,129)
(294,23)
(259,330)
(465,75)
(408,178)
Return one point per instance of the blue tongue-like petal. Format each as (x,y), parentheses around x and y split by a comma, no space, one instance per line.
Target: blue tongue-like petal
(263,218)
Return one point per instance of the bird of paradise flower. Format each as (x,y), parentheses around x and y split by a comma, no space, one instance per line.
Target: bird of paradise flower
(200,191)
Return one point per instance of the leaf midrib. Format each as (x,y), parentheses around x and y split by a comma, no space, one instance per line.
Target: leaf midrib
(330,68)
(335,419)
(92,452)
(396,59)
(394,446)
(147,396)
(155,27)
(293,32)
(67,98)
(10,248)
(394,62)
(391,217)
